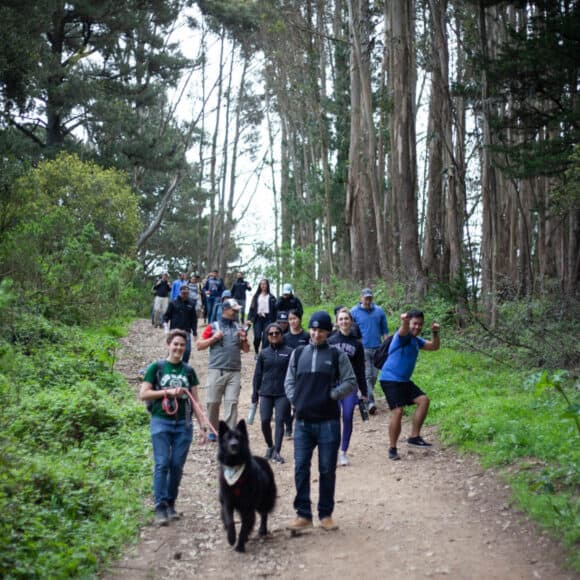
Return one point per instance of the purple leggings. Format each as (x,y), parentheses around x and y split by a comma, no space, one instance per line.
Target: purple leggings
(348,404)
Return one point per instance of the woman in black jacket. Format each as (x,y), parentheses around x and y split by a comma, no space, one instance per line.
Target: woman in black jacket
(262,311)
(269,376)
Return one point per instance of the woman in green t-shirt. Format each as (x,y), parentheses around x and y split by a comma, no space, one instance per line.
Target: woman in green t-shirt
(166,385)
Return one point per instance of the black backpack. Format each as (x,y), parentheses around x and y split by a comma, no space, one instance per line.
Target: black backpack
(382,353)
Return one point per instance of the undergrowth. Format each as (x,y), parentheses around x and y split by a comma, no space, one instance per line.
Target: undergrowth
(500,414)
(73,452)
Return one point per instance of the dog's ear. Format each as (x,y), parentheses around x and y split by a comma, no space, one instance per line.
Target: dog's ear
(241,427)
(223,428)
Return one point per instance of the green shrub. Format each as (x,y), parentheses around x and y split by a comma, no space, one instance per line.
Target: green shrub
(72,453)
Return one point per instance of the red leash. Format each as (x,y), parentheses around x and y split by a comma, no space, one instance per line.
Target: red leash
(168,407)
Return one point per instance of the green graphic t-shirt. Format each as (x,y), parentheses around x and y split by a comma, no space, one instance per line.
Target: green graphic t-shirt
(173,376)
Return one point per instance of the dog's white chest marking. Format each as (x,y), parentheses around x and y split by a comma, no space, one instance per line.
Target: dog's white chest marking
(232,474)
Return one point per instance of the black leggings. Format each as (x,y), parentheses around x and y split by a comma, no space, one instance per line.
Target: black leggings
(282,406)
(260,325)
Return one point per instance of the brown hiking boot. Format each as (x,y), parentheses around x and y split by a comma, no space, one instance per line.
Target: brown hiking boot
(328,524)
(300,524)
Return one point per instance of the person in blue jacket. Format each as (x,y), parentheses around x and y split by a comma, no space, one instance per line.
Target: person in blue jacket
(396,381)
(213,288)
(372,322)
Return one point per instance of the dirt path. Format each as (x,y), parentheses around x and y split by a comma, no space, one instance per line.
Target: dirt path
(434,514)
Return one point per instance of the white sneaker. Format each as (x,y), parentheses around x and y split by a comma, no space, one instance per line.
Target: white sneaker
(343,459)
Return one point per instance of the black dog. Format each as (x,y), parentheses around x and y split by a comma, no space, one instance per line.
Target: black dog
(246,484)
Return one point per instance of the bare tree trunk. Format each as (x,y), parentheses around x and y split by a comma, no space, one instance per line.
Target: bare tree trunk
(359,22)
(489,233)
(214,186)
(403,143)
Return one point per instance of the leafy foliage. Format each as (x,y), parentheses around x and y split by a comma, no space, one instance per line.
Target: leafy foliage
(71,224)
(71,450)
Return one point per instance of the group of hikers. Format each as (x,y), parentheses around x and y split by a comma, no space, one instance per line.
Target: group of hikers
(309,382)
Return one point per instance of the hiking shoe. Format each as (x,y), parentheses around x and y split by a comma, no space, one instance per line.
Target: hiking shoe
(328,524)
(343,459)
(277,458)
(269,453)
(300,524)
(393,454)
(172,514)
(161,518)
(372,408)
(212,437)
(418,441)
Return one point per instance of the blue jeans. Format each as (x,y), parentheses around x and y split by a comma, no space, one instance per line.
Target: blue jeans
(371,373)
(171,441)
(210,305)
(326,436)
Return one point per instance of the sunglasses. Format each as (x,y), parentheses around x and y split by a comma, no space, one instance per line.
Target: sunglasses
(274,333)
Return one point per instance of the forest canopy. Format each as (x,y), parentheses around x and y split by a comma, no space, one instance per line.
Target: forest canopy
(431,144)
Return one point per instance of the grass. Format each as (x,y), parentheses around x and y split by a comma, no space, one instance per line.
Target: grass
(497,413)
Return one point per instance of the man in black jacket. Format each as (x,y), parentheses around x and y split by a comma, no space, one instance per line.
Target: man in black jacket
(239,289)
(318,377)
(288,301)
(181,315)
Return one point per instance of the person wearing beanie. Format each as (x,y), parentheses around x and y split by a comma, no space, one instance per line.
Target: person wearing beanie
(288,301)
(318,377)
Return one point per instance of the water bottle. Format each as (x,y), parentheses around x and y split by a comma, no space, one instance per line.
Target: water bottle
(364,411)
(251,414)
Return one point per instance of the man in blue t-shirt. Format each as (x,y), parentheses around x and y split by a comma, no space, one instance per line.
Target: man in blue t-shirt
(396,381)
(372,323)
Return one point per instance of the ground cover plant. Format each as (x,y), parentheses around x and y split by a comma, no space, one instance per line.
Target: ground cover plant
(512,419)
(73,452)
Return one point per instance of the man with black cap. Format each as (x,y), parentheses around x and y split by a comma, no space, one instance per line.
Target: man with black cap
(372,322)
(226,340)
(318,377)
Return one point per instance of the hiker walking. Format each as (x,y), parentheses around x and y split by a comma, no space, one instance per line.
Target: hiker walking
(213,288)
(181,315)
(161,290)
(239,289)
(269,375)
(318,377)
(396,381)
(226,340)
(171,422)
(372,322)
(347,341)
(262,311)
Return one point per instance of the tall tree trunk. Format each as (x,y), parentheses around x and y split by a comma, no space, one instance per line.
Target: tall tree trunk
(213,178)
(403,165)
(490,206)
(361,55)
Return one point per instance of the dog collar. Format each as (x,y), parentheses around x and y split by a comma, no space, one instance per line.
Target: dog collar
(233,474)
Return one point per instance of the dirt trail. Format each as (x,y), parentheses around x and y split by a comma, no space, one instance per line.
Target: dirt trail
(434,514)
